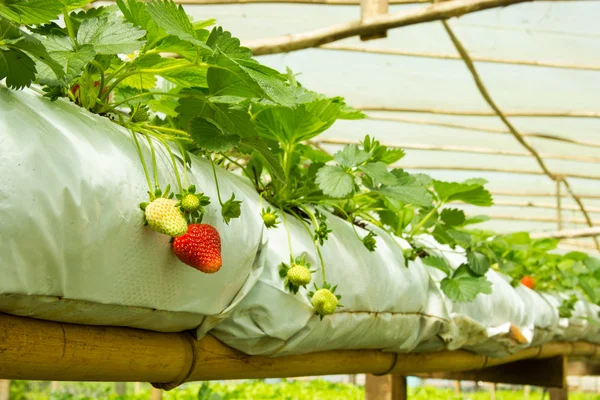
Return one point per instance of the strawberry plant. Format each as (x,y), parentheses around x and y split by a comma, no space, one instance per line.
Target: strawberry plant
(189,87)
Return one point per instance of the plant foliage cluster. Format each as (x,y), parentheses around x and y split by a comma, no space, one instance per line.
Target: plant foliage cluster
(189,87)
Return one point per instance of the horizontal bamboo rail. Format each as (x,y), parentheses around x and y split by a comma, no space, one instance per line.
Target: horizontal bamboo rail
(433,12)
(464,149)
(489,169)
(474,128)
(479,113)
(41,350)
(575,221)
(568,234)
(540,194)
(543,205)
(440,56)
(323,2)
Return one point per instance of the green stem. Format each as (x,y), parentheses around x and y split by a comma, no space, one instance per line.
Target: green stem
(170,130)
(154,166)
(137,96)
(183,156)
(212,163)
(141,155)
(423,221)
(70,29)
(175,169)
(101,70)
(287,231)
(115,72)
(314,241)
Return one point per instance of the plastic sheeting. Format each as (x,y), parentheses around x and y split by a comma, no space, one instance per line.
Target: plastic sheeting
(73,249)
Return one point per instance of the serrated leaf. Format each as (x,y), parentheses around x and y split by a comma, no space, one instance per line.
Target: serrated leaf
(452,216)
(468,193)
(228,45)
(223,82)
(173,44)
(209,136)
(269,159)
(110,34)
(74,4)
(313,154)
(334,181)
(439,263)
(351,156)
(135,12)
(475,219)
(71,60)
(463,287)
(17,68)
(479,263)
(408,194)
(379,172)
(391,156)
(174,20)
(140,81)
(30,12)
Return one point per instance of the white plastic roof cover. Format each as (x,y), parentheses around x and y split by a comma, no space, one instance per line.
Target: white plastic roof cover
(548,32)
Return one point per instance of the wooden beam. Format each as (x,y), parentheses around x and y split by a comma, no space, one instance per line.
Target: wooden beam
(550,372)
(386,387)
(480,113)
(567,234)
(434,12)
(559,393)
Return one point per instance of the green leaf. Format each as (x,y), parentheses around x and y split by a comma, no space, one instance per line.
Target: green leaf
(412,193)
(468,193)
(464,287)
(313,154)
(351,156)
(379,172)
(222,82)
(173,19)
(172,44)
(17,68)
(110,35)
(228,45)
(268,158)
(439,263)
(391,156)
(475,219)
(231,209)
(30,12)
(71,60)
(334,181)
(452,216)
(74,4)
(479,263)
(209,136)
(135,12)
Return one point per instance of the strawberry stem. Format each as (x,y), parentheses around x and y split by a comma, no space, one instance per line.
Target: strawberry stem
(141,155)
(316,224)
(216,180)
(174,164)
(184,157)
(154,167)
(289,239)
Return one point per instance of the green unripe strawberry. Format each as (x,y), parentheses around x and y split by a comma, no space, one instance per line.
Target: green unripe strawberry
(165,217)
(299,275)
(269,219)
(190,202)
(324,302)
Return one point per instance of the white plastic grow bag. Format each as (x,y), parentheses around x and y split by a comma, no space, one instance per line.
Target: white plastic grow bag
(72,244)
(386,305)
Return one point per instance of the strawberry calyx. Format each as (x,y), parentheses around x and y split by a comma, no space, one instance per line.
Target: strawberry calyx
(192,204)
(296,275)
(270,218)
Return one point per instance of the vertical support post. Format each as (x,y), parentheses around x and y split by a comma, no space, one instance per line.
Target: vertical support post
(386,387)
(121,388)
(526,390)
(559,393)
(457,390)
(156,394)
(370,9)
(492,391)
(54,386)
(4,389)
(558,202)
(137,387)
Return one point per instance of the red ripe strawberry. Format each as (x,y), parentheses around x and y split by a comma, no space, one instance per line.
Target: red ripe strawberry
(200,248)
(528,281)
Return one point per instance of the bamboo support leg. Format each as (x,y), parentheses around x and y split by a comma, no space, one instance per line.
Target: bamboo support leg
(156,394)
(121,388)
(457,390)
(559,393)
(54,386)
(4,389)
(385,387)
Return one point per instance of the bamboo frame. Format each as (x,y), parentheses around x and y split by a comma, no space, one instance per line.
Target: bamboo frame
(323,2)
(42,350)
(568,234)
(463,149)
(440,56)
(573,221)
(479,113)
(539,194)
(517,135)
(488,169)
(543,205)
(474,128)
(433,12)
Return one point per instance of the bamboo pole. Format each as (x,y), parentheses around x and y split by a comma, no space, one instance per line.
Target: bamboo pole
(539,194)
(439,56)
(574,221)
(434,12)
(489,169)
(324,2)
(480,113)
(474,128)
(545,206)
(43,350)
(567,234)
(4,389)
(370,9)
(461,149)
(558,205)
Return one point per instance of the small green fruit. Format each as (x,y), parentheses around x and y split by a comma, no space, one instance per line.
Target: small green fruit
(164,217)
(269,219)
(299,275)
(190,202)
(324,302)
